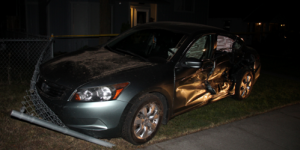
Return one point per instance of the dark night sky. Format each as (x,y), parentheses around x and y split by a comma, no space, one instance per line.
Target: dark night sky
(8,8)
(232,8)
(286,11)
(218,8)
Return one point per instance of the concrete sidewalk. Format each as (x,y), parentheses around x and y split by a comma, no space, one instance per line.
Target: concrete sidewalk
(275,130)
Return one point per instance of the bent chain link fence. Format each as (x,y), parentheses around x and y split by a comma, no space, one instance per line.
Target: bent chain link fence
(19,58)
(33,104)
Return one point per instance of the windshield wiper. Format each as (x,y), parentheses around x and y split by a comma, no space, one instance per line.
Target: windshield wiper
(107,47)
(131,53)
(113,50)
(110,49)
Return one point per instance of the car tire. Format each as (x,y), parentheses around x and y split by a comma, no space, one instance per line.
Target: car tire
(143,119)
(244,84)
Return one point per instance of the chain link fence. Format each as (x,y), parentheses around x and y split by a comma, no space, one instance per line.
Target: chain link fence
(22,59)
(34,108)
(33,105)
(19,56)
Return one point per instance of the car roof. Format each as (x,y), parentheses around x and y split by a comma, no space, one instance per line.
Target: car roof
(182,27)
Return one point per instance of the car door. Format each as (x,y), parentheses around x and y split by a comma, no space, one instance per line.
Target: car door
(192,85)
(230,44)
(224,58)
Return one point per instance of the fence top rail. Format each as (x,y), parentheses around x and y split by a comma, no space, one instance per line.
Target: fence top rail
(23,40)
(79,36)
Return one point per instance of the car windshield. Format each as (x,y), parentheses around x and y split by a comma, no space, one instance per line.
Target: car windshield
(148,44)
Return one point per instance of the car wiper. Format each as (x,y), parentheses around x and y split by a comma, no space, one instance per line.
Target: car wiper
(107,47)
(131,53)
(110,49)
(113,50)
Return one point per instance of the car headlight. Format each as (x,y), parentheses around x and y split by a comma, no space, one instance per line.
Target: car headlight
(100,93)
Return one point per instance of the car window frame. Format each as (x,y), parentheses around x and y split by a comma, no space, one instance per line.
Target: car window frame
(236,38)
(212,45)
(241,42)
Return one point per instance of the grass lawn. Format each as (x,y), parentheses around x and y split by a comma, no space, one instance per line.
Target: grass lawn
(269,93)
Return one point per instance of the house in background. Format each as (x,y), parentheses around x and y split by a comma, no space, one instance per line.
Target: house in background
(272,19)
(64,17)
(92,17)
(230,17)
(255,21)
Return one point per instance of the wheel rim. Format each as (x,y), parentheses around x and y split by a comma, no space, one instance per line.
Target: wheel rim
(246,85)
(146,121)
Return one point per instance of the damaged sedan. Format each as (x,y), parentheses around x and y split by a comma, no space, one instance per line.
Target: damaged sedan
(144,77)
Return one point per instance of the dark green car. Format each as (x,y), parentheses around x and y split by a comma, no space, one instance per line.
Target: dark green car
(144,77)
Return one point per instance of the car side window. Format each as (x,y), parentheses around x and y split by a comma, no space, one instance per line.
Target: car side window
(224,44)
(199,49)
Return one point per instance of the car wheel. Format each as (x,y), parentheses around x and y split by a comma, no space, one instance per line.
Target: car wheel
(143,120)
(244,85)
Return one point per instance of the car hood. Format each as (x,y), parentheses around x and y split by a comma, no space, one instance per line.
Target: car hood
(82,66)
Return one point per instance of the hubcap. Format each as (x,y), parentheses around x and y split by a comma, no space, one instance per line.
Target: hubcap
(146,121)
(245,85)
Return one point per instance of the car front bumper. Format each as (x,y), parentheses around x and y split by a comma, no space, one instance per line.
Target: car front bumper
(97,119)
(94,116)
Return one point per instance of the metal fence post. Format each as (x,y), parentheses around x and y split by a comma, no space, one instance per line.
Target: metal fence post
(51,46)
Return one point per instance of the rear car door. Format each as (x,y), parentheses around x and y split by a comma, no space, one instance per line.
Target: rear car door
(192,87)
